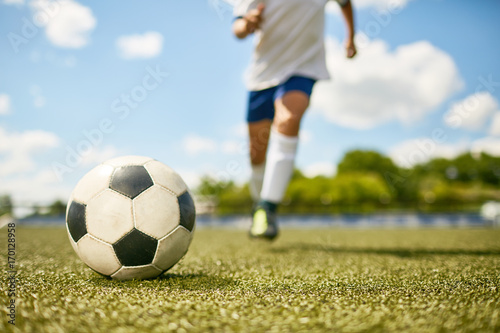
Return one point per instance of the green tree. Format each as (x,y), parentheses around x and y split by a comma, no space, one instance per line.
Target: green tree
(368,180)
(489,169)
(229,197)
(439,167)
(367,161)
(402,183)
(212,187)
(467,167)
(307,194)
(5,205)
(235,199)
(464,168)
(357,189)
(56,208)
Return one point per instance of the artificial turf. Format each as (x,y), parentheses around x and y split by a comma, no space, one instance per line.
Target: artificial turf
(323,280)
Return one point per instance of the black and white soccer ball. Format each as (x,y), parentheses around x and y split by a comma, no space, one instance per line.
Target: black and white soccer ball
(131,217)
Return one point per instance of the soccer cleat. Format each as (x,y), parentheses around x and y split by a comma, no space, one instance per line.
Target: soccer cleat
(264,223)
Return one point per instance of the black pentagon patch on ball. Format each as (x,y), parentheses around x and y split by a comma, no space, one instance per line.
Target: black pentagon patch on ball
(188,211)
(131,180)
(135,248)
(77,225)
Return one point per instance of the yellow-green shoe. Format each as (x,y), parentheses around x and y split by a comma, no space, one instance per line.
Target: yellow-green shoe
(264,223)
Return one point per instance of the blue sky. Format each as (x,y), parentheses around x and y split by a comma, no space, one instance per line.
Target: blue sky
(84,81)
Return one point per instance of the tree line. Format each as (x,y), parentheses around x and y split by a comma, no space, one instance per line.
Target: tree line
(368,181)
(56,208)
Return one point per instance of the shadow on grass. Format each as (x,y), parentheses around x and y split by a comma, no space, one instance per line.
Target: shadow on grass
(189,281)
(399,252)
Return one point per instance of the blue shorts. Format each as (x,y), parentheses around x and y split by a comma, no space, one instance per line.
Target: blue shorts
(261,102)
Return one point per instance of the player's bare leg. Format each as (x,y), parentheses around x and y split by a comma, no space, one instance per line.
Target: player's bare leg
(259,138)
(289,111)
(280,161)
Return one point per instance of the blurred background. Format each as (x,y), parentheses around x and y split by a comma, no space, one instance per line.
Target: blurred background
(412,124)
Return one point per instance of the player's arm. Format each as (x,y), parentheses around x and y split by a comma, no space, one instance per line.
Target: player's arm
(246,25)
(347,12)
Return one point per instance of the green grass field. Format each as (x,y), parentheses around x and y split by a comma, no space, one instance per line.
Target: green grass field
(307,281)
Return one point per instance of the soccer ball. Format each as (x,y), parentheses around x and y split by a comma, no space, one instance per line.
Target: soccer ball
(131,217)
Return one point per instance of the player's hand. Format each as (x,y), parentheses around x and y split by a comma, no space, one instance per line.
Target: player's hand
(350,48)
(254,18)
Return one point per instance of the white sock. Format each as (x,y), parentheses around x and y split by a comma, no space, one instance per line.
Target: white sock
(279,166)
(256,179)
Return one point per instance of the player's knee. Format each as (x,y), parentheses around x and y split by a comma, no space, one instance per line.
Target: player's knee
(288,118)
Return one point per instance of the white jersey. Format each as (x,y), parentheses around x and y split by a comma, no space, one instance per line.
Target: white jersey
(289,42)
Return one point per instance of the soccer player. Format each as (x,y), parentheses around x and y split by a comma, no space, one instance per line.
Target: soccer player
(289,57)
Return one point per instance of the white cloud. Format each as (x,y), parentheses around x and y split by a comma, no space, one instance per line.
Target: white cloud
(381,85)
(417,151)
(17,149)
(4,104)
(420,150)
(234,147)
(147,45)
(30,179)
(194,144)
(472,112)
(489,145)
(67,23)
(40,187)
(495,124)
(239,130)
(381,5)
(27,173)
(97,156)
(306,136)
(320,169)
